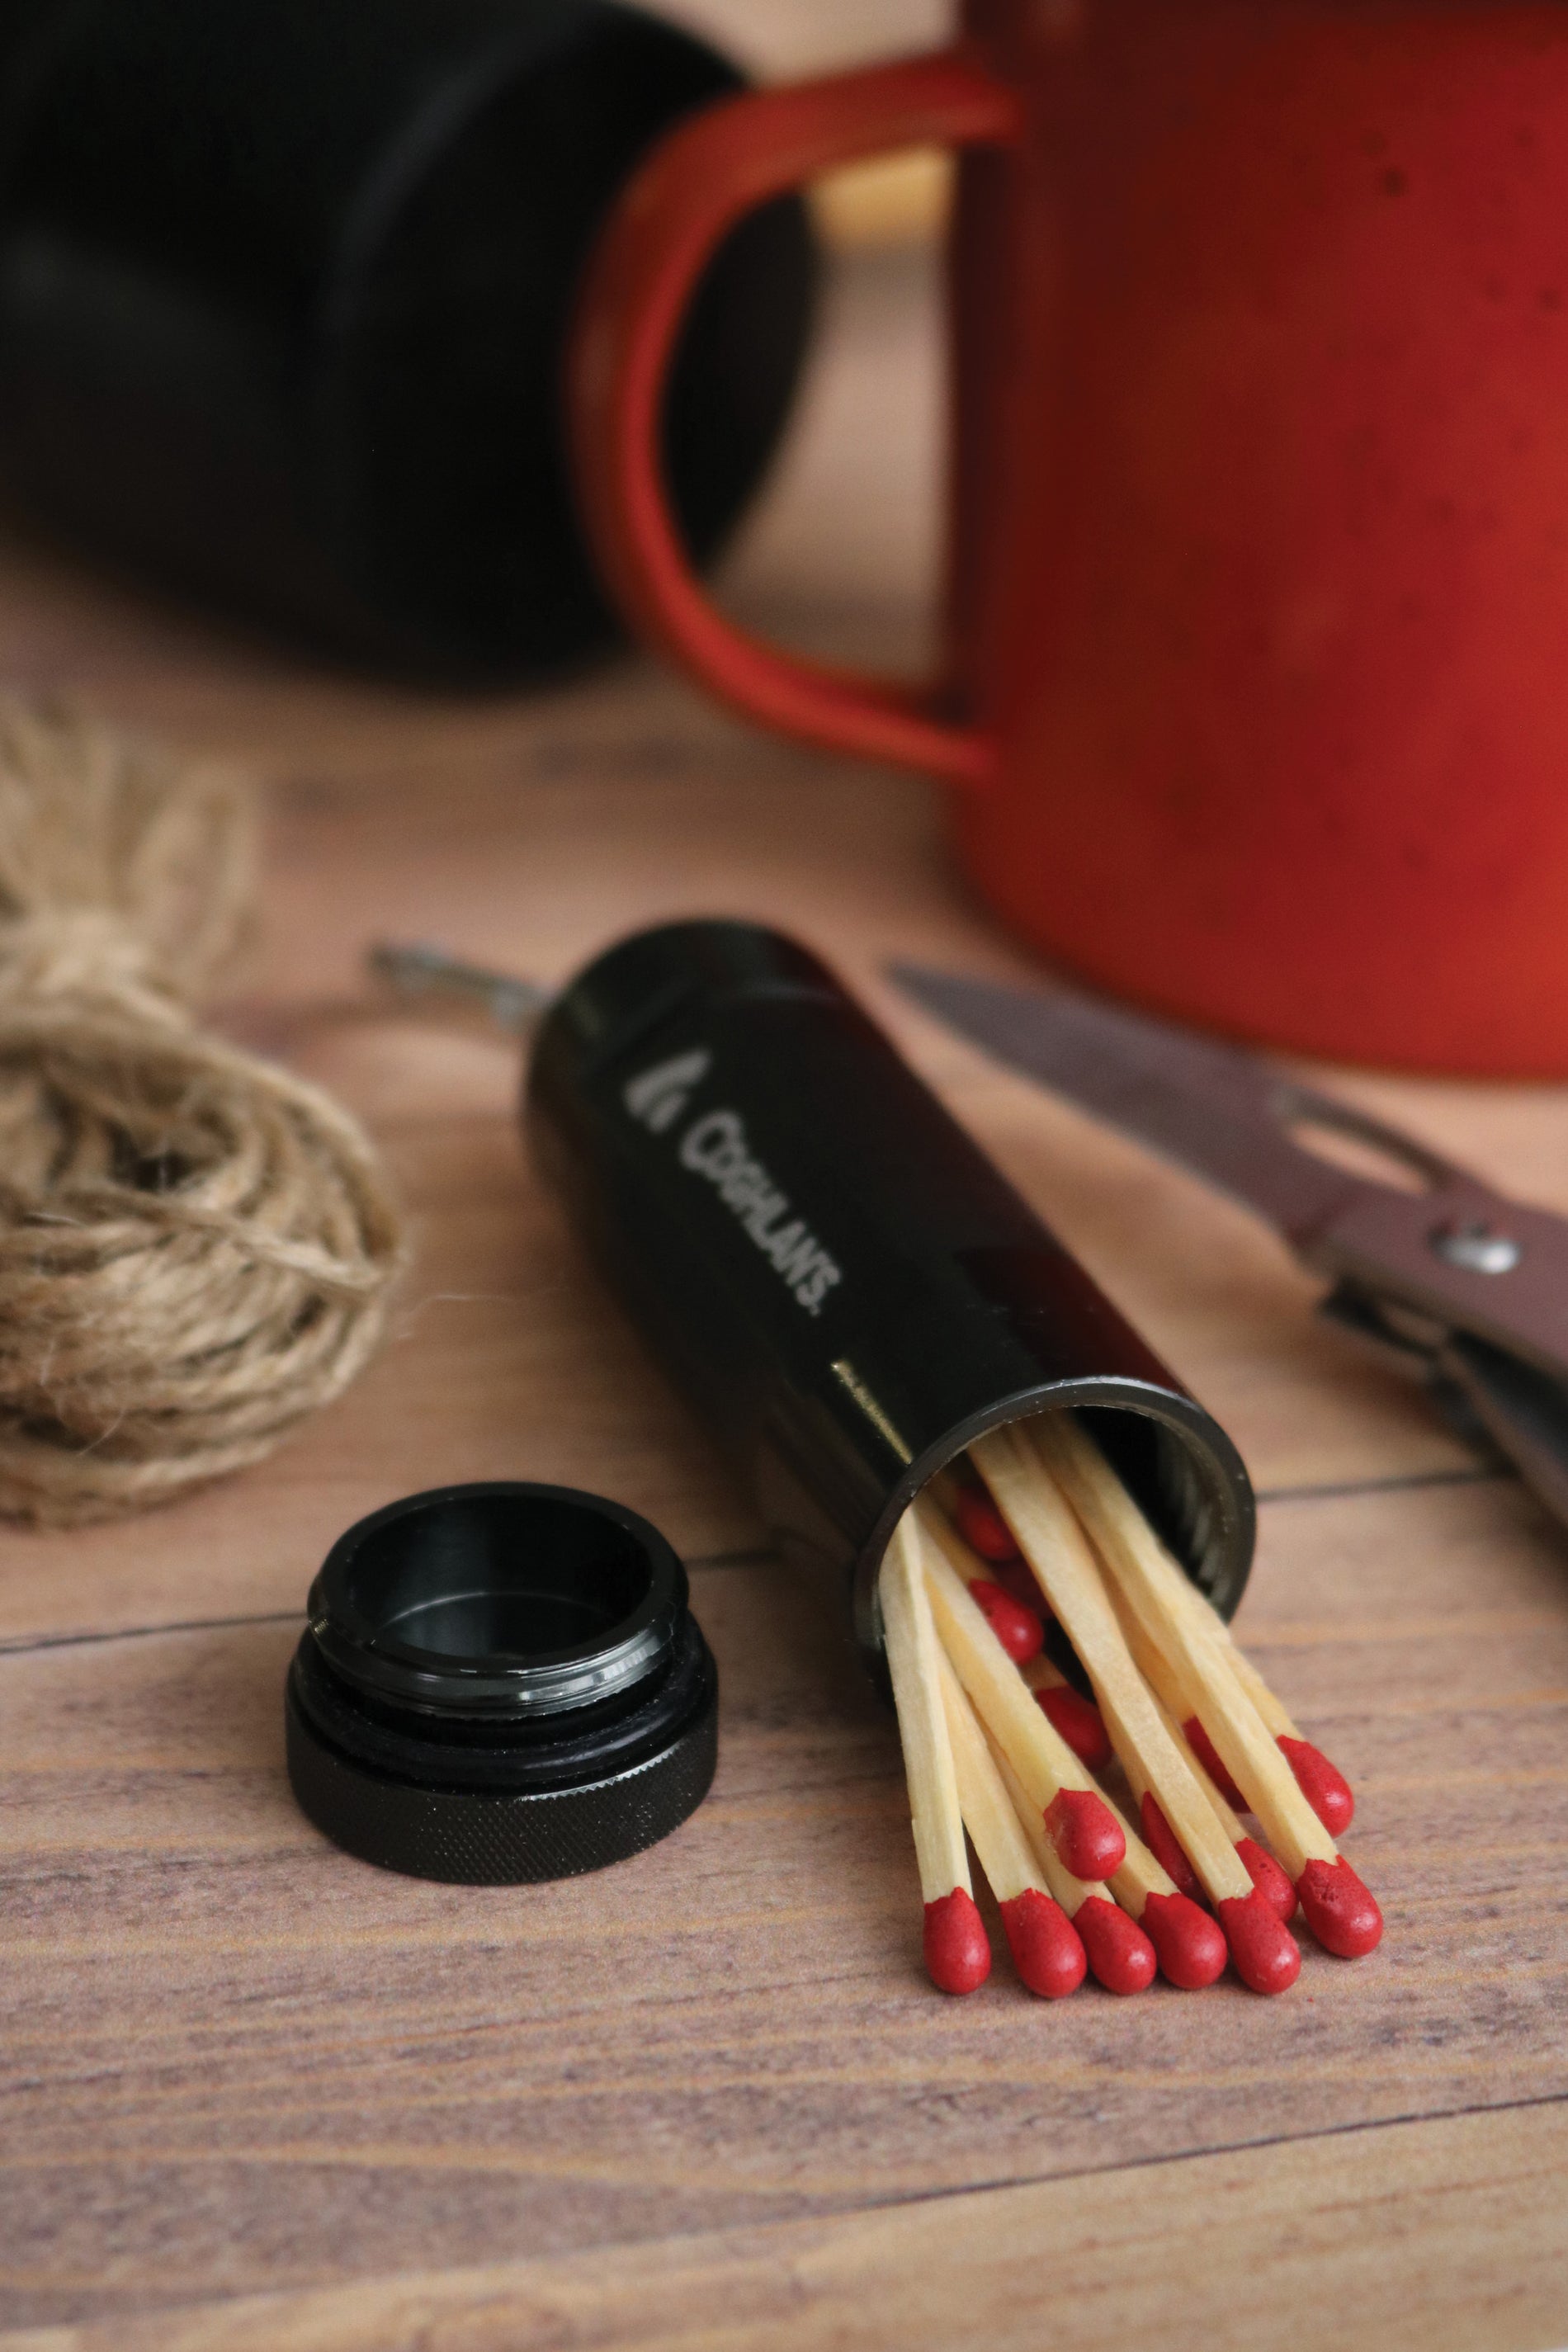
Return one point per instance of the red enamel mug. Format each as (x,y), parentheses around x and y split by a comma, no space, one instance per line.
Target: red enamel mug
(1253,702)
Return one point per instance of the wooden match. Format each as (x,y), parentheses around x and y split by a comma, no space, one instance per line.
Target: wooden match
(957,1951)
(1197,1735)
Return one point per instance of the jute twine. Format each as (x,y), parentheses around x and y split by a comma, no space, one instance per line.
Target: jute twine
(196,1247)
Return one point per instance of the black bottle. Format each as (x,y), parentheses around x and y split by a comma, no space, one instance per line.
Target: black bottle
(283,289)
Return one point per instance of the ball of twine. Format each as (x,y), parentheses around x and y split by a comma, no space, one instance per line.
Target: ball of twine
(196,1247)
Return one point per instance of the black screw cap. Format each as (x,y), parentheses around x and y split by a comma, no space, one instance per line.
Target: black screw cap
(498,1683)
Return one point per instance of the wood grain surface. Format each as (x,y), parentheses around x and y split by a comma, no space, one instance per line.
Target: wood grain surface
(1419,2238)
(707,2097)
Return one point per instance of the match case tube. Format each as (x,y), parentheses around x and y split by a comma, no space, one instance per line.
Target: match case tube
(842,1284)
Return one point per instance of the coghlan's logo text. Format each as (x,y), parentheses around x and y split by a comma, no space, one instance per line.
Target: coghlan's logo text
(715,1146)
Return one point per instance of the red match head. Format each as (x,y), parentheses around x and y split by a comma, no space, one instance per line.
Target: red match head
(1078,1722)
(1340,1911)
(1270,1879)
(1266,1954)
(1209,1756)
(1018,1629)
(981,1526)
(1118,1952)
(1160,1841)
(1085,1832)
(1047,1950)
(1322,1784)
(1191,1944)
(957,1952)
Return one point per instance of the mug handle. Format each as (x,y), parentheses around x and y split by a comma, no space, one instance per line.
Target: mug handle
(667,224)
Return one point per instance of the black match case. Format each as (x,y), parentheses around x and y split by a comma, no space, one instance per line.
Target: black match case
(844,1285)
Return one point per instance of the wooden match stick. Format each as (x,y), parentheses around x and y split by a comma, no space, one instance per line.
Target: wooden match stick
(1047,1949)
(1263,1870)
(957,1953)
(1179,1823)
(1266,1874)
(1167,1689)
(1341,1912)
(1075,1814)
(1321,1782)
(1119,1952)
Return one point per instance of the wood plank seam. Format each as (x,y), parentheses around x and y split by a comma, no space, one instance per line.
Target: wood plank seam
(1483,2228)
(1412,1482)
(758,1558)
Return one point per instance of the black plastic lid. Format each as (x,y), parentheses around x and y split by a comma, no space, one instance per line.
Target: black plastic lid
(500,1683)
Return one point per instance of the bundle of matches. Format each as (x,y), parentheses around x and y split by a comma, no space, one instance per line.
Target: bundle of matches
(997,1743)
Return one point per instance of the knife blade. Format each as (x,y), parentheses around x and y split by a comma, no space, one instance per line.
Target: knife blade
(1453,1254)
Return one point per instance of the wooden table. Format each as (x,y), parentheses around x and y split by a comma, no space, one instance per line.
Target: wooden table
(256,2095)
